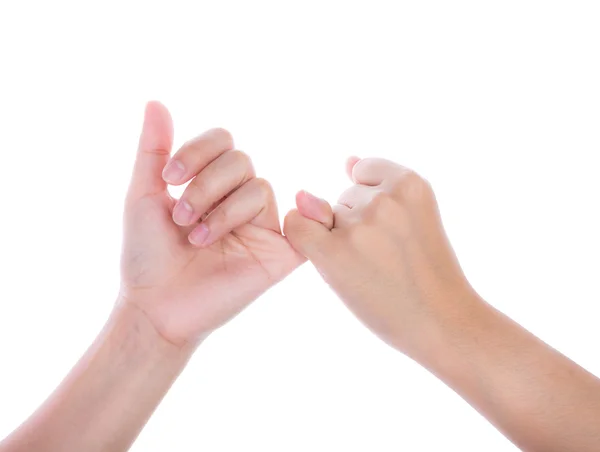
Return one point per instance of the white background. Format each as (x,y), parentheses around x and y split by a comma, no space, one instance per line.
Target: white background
(496,103)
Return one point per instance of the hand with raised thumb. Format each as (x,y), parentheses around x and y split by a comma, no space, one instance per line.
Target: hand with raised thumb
(191,264)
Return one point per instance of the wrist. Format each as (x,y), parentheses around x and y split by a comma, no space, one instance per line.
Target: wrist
(111,392)
(135,332)
(159,312)
(456,322)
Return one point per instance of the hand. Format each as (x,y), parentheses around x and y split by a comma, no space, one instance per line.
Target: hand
(191,265)
(383,250)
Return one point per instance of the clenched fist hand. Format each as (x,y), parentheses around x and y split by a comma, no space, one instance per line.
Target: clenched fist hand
(383,249)
(191,264)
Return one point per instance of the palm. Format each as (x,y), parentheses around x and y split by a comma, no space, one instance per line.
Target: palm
(187,290)
(190,290)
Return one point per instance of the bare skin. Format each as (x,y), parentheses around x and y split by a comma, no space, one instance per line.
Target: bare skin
(383,249)
(176,287)
(188,266)
(180,279)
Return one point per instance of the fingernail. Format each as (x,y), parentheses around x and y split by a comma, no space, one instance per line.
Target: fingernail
(173,172)
(199,235)
(182,213)
(312,200)
(311,197)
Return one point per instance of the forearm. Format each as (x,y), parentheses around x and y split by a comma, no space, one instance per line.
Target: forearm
(109,395)
(537,397)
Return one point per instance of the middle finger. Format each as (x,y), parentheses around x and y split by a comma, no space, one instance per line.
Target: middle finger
(222,176)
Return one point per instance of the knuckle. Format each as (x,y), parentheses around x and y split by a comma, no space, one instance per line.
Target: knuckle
(239,156)
(264,187)
(342,216)
(295,228)
(382,200)
(382,205)
(344,198)
(242,161)
(222,135)
(197,188)
(384,210)
(363,166)
(290,220)
(220,215)
(359,234)
(412,187)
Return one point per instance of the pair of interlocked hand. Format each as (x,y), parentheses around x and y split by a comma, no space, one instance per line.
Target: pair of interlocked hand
(192,264)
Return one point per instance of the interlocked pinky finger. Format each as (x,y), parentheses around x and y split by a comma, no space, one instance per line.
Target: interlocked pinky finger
(242,206)
(342,216)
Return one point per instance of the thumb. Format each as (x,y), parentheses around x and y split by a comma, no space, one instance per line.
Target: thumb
(308,228)
(153,152)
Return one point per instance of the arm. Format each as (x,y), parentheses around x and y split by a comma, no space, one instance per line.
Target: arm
(109,395)
(383,249)
(534,395)
(179,261)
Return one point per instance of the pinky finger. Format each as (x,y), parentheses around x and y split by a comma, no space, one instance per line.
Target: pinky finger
(315,208)
(342,216)
(350,166)
(239,208)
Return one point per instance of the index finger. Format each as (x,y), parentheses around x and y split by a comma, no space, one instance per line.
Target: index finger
(373,171)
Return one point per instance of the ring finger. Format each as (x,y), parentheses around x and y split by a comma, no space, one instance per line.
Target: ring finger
(251,203)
